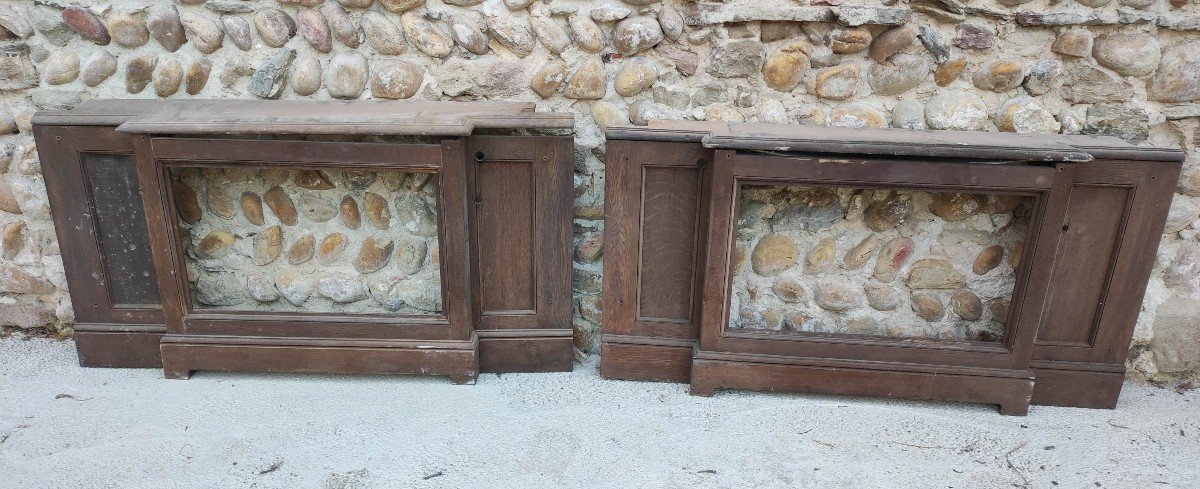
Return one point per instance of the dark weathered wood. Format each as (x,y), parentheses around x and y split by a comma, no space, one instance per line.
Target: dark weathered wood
(669,218)
(820,139)
(747,359)
(653,248)
(268,117)
(506,230)
(452,209)
(555,206)
(641,358)
(1135,254)
(1112,149)
(366,117)
(183,354)
(197,152)
(1011,392)
(653,238)
(646,134)
(622,224)
(118,345)
(104,253)
(85,225)
(109,113)
(738,169)
(232,331)
(1092,232)
(864,173)
(525,351)
(520,218)
(1035,265)
(1116,213)
(114,193)
(446,160)
(1077,385)
(163,228)
(534,335)
(1109,214)
(891,142)
(315,324)
(521,230)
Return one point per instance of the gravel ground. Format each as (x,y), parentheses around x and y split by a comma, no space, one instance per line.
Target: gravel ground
(62,426)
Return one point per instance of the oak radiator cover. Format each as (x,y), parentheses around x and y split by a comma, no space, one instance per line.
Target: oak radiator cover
(671,211)
(502,205)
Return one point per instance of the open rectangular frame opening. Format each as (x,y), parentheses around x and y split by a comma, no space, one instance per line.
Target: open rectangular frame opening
(445,321)
(892,263)
(877,357)
(313,242)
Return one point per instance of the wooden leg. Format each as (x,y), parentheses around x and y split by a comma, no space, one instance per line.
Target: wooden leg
(1015,408)
(175,365)
(464,379)
(176,372)
(702,390)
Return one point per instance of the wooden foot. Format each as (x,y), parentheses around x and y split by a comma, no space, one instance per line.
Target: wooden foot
(702,390)
(1015,409)
(177,373)
(464,379)
(174,363)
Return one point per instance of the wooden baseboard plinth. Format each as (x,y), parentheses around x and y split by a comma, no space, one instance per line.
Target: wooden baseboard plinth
(1011,390)
(181,355)
(116,345)
(509,351)
(653,359)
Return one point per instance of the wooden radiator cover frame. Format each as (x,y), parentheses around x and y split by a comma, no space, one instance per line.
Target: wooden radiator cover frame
(108,333)
(475,334)
(318,342)
(1060,349)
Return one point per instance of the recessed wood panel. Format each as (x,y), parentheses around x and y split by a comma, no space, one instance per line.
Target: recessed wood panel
(120,221)
(520,221)
(1092,232)
(506,235)
(668,245)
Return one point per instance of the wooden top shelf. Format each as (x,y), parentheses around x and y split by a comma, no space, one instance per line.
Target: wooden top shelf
(895,142)
(291,117)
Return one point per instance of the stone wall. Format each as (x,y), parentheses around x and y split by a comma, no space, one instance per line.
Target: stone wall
(1122,67)
(909,264)
(310,240)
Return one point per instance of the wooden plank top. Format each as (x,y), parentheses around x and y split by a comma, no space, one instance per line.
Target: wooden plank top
(371,117)
(103,112)
(895,142)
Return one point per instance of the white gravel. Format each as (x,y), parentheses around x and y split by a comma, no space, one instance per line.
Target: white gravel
(63,426)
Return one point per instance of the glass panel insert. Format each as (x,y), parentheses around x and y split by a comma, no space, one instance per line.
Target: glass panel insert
(310,241)
(891,263)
